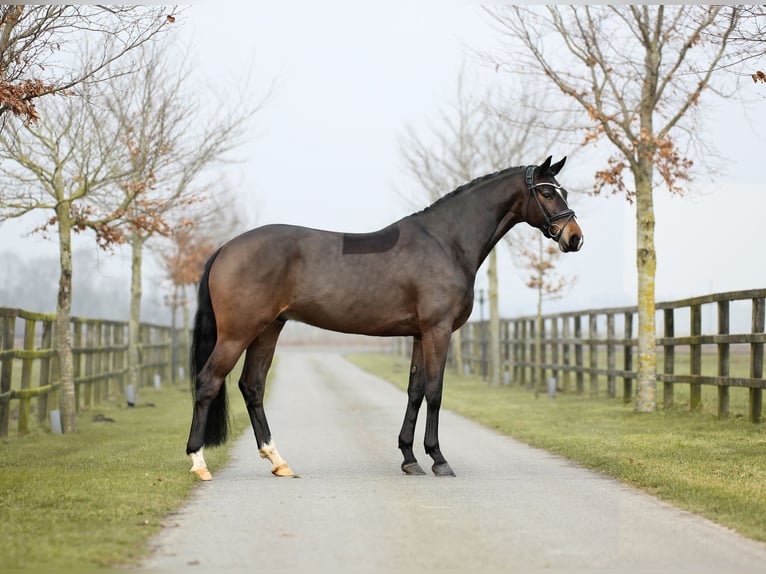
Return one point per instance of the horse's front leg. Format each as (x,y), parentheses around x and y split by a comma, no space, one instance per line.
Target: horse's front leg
(435,347)
(415,393)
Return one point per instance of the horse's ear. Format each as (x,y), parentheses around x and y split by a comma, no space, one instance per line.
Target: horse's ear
(556,167)
(544,167)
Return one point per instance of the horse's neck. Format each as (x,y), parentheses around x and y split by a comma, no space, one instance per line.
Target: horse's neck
(473,221)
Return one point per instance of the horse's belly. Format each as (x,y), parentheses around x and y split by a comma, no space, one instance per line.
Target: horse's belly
(360,317)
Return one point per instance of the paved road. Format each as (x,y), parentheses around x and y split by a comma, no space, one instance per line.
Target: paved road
(510,507)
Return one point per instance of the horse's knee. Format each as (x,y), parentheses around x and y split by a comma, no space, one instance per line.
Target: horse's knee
(434,399)
(415,400)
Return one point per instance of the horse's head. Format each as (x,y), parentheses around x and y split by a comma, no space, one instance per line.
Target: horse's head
(547,207)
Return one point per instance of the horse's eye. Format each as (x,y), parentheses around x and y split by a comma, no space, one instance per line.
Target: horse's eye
(547,194)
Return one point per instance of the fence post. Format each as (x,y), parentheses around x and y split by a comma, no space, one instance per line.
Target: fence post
(109,355)
(695,367)
(534,360)
(593,352)
(523,343)
(756,362)
(90,340)
(566,358)
(464,330)
(554,341)
(627,382)
(46,343)
(670,357)
(542,359)
(76,356)
(119,341)
(98,362)
(516,349)
(579,375)
(7,333)
(25,402)
(29,345)
(505,346)
(723,359)
(168,354)
(483,350)
(465,341)
(611,379)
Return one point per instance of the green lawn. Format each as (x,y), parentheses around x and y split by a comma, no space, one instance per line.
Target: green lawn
(712,467)
(94,498)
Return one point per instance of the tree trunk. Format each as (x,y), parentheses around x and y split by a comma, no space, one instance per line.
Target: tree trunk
(646,264)
(68,398)
(495,366)
(134,321)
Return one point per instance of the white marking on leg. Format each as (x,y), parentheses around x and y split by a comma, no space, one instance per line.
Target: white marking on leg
(198,460)
(278,465)
(269,450)
(199,467)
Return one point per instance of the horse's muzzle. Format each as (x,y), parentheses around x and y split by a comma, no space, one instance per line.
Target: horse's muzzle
(571,238)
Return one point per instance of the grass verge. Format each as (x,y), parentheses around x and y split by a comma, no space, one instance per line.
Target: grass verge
(94,498)
(716,468)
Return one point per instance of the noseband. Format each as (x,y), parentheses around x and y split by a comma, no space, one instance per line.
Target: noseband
(551,229)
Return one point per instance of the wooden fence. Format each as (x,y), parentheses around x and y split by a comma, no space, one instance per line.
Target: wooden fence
(29,363)
(597,348)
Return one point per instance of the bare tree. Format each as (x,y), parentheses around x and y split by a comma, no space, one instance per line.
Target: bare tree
(60,166)
(41,48)
(750,35)
(635,75)
(158,123)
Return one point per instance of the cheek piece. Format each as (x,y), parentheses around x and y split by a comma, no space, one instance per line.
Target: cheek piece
(551,229)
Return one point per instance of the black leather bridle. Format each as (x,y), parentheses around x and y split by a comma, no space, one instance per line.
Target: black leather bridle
(551,228)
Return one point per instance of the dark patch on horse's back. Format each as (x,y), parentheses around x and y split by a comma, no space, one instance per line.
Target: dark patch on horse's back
(375,242)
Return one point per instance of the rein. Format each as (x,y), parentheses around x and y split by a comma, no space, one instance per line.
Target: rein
(551,229)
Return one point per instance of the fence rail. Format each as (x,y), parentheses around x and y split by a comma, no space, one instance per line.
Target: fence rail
(599,345)
(29,363)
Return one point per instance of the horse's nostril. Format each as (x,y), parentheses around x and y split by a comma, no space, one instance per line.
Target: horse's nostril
(575,241)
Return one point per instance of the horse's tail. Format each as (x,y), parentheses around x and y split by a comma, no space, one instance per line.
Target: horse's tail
(204,339)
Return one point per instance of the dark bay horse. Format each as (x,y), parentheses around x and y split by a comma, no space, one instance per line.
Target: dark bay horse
(413,278)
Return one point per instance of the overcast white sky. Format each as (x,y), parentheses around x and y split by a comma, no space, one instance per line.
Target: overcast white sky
(349,76)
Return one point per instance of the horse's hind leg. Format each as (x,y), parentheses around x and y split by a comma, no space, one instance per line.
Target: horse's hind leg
(252,384)
(210,380)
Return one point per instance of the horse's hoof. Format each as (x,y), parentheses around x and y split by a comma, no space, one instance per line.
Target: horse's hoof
(203,474)
(412,469)
(442,469)
(282,470)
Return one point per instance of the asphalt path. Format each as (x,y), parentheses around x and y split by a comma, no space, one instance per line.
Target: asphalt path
(510,508)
